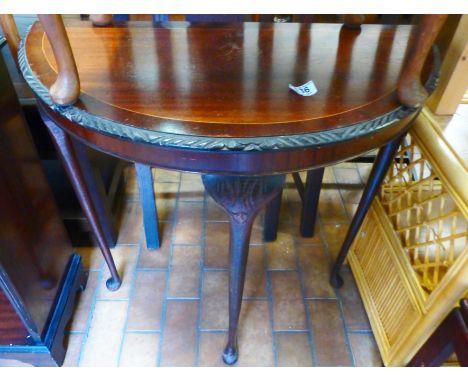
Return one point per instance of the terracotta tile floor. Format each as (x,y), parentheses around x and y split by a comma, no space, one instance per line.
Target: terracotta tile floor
(172,307)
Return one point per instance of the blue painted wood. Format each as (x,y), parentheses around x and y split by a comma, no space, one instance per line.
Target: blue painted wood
(160,18)
(120,17)
(148,205)
(156,18)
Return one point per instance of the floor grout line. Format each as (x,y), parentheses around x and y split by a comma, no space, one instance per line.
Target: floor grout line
(108,299)
(125,245)
(339,300)
(281,270)
(214,330)
(130,296)
(254,298)
(360,331)
(201,281)
(300,271)
(310,331)
(216,269)
(90,315)
(191,201)
(168,272)
(142,331)
(75,332)
(345,329)
(151,269)
(182,298)
(319,298)
(285,331)
(269,294)
(185,245)
(91,270)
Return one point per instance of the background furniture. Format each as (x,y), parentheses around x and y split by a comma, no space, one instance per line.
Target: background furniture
(453,84)
(198,125)
(39,274)
(104,173)
(308,191)
(417,232)
(450,337)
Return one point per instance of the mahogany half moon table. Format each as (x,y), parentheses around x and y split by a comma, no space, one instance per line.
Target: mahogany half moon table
(214,99)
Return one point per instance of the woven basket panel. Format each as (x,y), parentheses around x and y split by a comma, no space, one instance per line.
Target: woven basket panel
(432,229)
(385,283)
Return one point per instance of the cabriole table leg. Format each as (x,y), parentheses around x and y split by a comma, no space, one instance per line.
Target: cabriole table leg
(242,198)
(64,146)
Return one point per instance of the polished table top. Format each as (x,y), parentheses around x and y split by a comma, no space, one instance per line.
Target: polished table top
(229,80)
(193,93)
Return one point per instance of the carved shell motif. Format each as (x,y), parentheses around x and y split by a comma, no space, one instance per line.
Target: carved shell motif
(242,197)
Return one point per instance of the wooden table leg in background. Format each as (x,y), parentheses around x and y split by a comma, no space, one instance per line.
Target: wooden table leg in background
(272,217)
(148,205)
(379,170)
(310,194)
(310,201)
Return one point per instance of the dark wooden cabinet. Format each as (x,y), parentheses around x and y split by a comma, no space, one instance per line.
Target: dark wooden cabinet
(105,173)
(39,274)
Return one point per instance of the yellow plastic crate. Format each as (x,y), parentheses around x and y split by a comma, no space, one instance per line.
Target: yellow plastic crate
(410,258)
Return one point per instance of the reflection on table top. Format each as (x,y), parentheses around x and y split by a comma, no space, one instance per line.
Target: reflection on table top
(230,79)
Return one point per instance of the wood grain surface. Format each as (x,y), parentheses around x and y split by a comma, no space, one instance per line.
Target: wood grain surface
(230,80)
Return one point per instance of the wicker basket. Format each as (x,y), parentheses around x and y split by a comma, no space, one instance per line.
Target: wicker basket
(410,258)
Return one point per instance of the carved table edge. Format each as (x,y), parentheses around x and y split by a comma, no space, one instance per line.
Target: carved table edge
(181,141)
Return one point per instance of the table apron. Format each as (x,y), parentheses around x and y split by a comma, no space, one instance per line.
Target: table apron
(230,162)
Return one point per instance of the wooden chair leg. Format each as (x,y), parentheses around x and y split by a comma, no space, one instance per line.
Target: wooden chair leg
(242,198)
(148,205)
(66,150)
(379,170)
(310,201)
(451,336)
(272,214)
(310,198)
